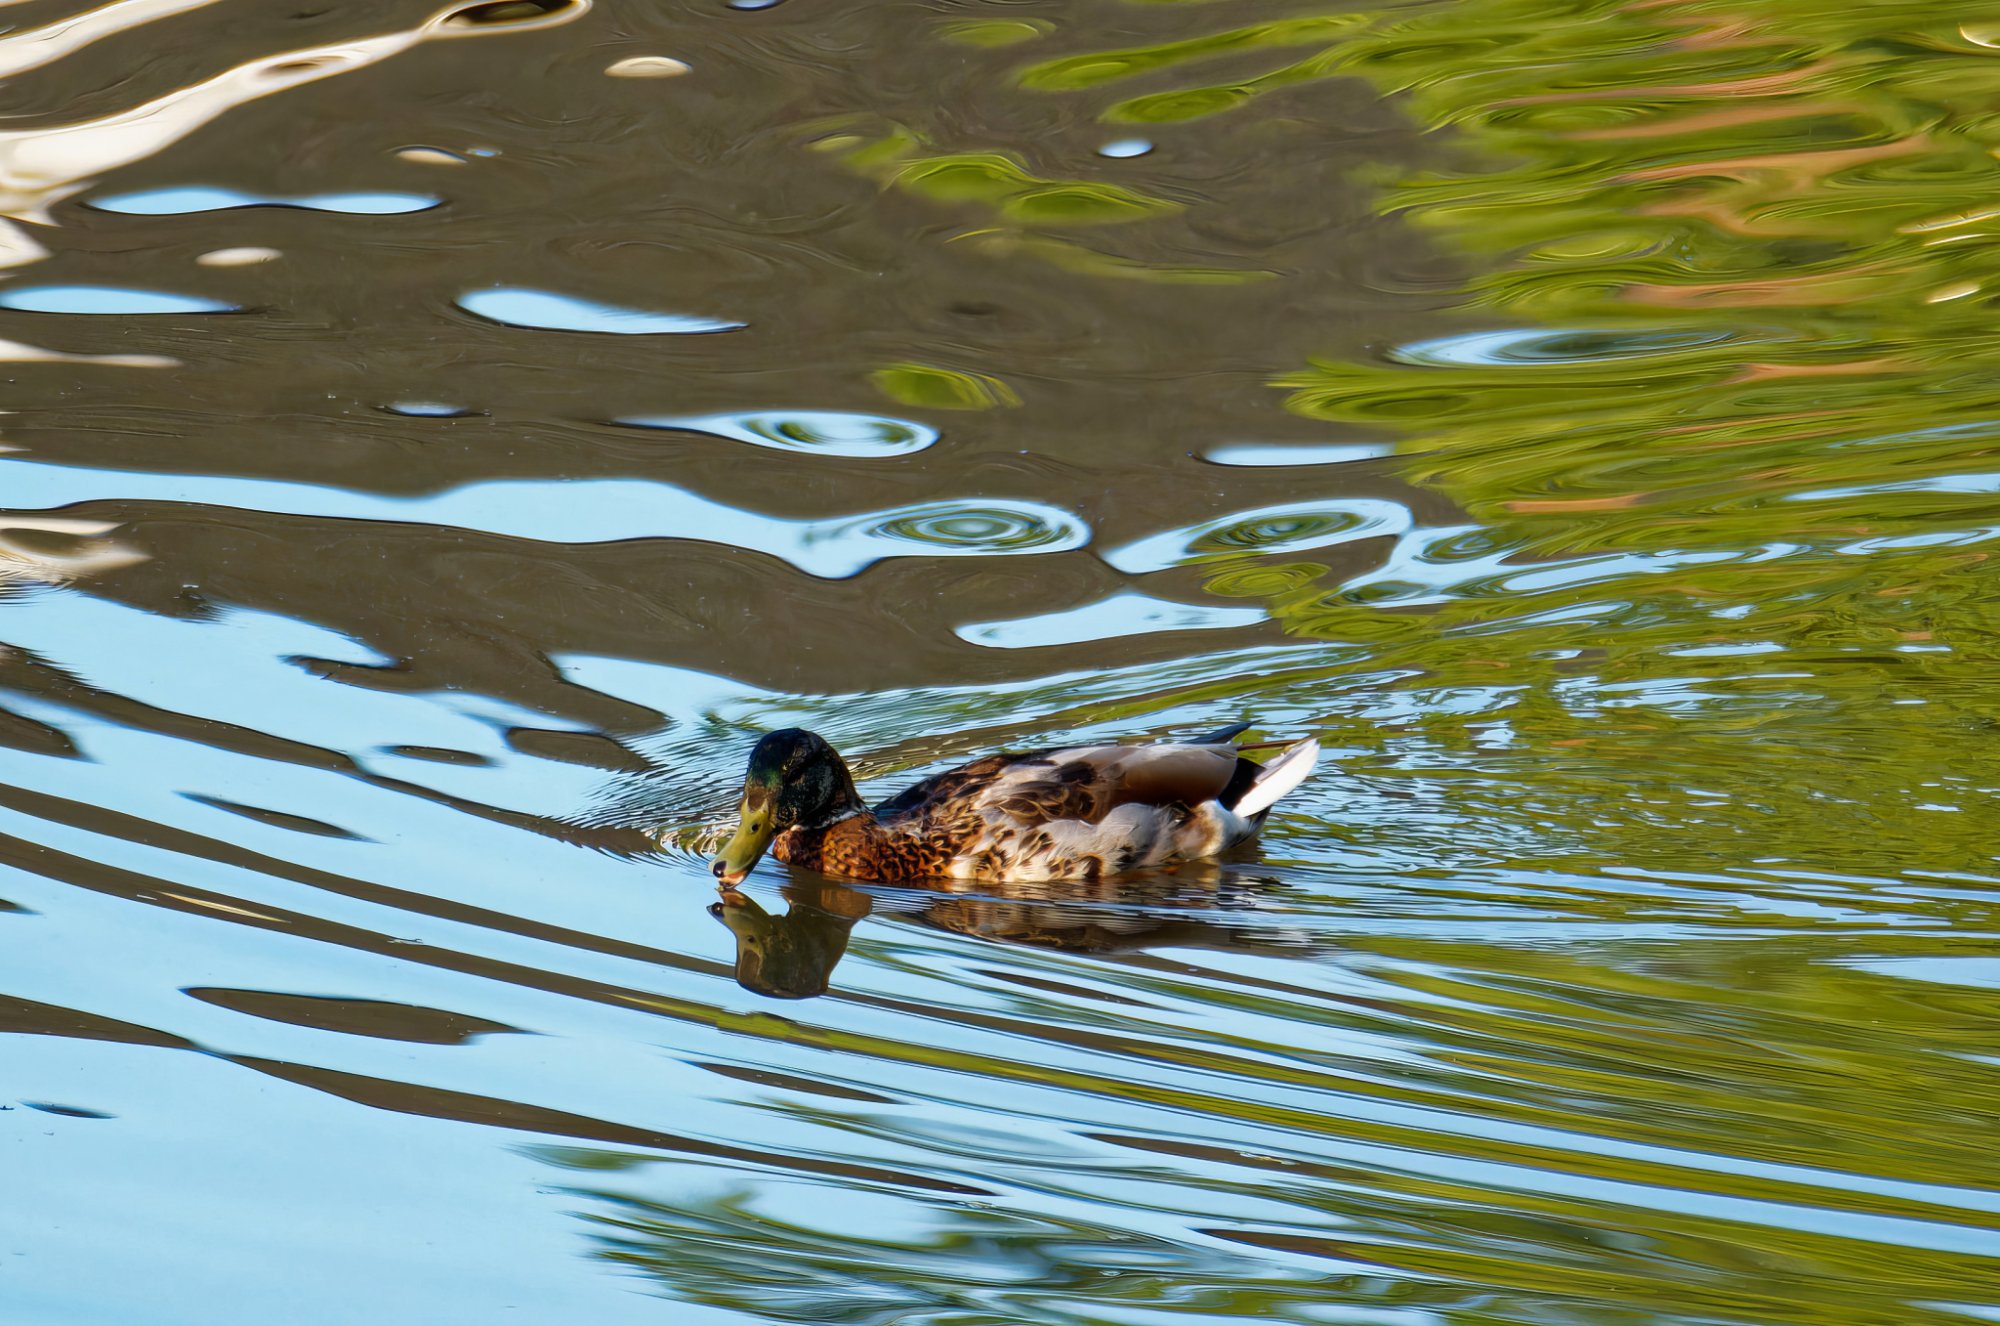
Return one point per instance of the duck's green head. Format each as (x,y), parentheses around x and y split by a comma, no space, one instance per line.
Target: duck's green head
(794,779)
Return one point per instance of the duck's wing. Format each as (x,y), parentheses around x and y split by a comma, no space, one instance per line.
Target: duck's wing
(1089,782)
(953,785)
(1074,782)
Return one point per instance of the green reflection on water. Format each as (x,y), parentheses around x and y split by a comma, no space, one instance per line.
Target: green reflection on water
(1086,71)
(1019,204)
(1726,423)
(995,179)
(929,387)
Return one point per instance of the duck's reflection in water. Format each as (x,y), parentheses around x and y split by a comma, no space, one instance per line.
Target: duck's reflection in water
(792,954)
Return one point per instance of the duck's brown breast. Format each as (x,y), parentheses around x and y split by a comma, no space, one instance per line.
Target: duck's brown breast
(860,848)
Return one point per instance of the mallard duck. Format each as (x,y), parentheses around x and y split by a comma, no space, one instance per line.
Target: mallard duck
(1071,812)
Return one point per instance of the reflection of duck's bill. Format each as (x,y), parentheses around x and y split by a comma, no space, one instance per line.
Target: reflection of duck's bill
(739,912)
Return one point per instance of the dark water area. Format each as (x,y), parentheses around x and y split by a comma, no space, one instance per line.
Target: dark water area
(438,441)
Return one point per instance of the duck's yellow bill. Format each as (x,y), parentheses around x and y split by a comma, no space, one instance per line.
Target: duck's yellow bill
(754,831)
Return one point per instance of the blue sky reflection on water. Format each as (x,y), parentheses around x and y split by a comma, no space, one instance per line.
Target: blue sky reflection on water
(1109,619)
(812,432)
(594,511)
(186,199)
(100,300)
(556,312)
(187,1123)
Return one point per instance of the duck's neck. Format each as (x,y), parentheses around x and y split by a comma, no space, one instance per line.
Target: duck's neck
(838,815)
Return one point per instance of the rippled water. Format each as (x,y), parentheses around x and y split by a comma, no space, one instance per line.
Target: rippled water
(1580,418)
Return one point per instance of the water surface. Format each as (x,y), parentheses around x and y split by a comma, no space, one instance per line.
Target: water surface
(434,455)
